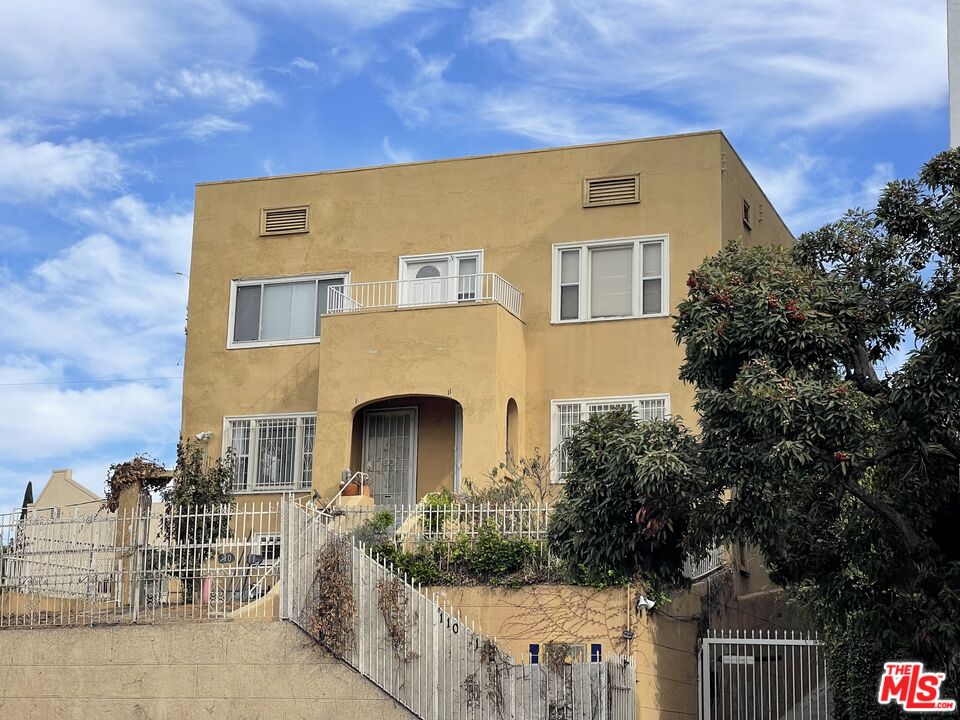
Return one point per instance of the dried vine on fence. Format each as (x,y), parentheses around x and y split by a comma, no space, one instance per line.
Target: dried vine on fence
(141,472)
(493,666)
(331,606)
(392,601)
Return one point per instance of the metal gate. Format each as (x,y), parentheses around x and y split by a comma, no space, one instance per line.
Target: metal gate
(762,675)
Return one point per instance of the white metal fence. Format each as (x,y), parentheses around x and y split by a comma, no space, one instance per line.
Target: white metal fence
(427,656)
(753,675)
(423,523)
(453,289)
(150,565)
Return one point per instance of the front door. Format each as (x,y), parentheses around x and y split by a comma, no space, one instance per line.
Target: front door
(390,455)
(428,283)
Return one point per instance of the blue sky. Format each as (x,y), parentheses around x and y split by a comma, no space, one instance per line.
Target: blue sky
(110,112)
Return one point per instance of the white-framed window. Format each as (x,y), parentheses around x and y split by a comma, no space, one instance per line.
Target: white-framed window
(272,452)
(267,546)
(610,279)
(279,311)
(567,414)
(440,278)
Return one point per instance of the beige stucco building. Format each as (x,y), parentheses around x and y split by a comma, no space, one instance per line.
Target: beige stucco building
(418,322)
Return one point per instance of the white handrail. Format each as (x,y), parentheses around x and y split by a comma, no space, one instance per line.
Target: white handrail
(450,290)
(363,477)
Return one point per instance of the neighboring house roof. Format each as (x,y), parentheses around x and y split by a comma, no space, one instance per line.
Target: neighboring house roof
(62,490)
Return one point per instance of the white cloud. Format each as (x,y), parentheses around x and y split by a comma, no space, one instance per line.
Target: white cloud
(299,63)
(100,56)
(809,190)
(812,63)
(34,168)
(110,305)
(539,113)
(355,14)
(54,421)
(233,90)
(162,233)
(206,127)
(396,155)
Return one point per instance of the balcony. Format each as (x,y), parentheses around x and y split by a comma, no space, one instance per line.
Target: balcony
(483,288)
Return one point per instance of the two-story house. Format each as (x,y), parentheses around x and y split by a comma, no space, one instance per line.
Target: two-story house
(421,321)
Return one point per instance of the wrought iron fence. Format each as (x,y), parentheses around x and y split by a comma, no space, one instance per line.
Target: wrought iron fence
(429,658)
(150,565)
(754,675)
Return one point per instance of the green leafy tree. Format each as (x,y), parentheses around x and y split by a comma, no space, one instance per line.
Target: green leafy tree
(839,459)
(628,499)
(198,484)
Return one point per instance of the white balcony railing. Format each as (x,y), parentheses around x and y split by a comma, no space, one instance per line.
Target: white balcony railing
(451,290)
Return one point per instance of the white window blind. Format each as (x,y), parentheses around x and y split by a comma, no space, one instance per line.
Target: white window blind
(611,282)
(610,279)
(276,311)
(288,311)
(567,414)
(271,453)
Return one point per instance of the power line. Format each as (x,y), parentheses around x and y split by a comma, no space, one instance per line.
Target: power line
(78,382)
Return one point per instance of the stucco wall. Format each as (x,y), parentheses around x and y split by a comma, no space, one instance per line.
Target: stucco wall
(664,643)
(514,207)
(228,671)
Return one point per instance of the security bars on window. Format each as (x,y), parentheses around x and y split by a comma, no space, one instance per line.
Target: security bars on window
(272,453)
(569,414)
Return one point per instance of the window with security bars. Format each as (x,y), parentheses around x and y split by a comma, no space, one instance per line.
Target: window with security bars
(271,453)
(567,414)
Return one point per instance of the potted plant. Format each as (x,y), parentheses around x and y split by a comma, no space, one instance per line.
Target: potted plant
(356,486)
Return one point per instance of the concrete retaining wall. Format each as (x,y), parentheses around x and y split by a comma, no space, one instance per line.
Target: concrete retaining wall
(229,671)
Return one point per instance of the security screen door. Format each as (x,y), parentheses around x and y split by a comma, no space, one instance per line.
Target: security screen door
(390,455)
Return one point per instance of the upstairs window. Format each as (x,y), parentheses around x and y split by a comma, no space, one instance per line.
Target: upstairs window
(567,414)
(271,452)
(609,280)
(279,311)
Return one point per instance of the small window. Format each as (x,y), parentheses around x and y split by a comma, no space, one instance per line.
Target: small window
(567,414)
(610,280)
(267,546)
(280,311)
(620,190)
(271,453)
(746,215)
(534,653)
(284,221)
(596,653)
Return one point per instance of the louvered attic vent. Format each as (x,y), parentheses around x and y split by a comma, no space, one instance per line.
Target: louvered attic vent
(611,190)
(283,221)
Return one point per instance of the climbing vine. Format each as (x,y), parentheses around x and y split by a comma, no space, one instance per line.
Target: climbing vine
(142,471)
(331,606)
(392,601)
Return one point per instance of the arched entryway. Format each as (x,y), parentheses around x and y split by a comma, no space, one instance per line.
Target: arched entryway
(409,446)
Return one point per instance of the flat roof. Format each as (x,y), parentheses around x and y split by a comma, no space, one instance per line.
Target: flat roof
(470,157)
